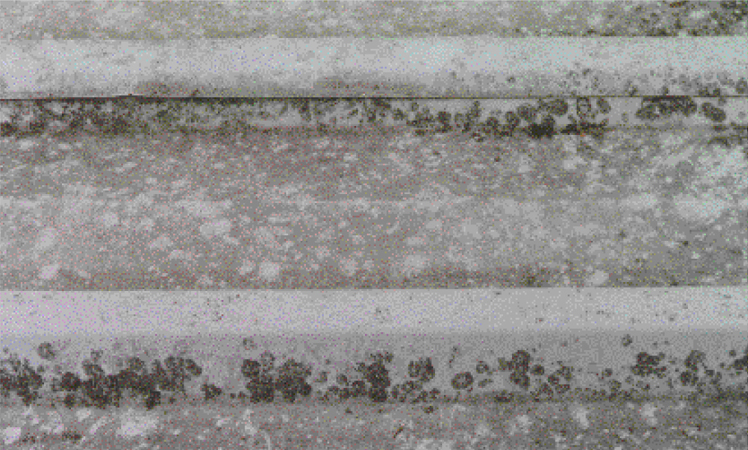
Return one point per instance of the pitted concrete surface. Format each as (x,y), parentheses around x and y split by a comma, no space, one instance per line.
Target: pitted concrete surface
(375,207)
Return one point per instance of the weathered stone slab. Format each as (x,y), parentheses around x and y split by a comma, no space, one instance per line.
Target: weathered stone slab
(377,207)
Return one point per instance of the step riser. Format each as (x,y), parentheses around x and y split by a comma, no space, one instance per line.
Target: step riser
(648,346)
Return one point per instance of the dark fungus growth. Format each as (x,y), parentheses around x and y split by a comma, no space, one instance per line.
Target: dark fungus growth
(290,379)
(595,129)
(72,436)
(153,399)
(377,376)
(512,119)
(408,390)
(267,361)
(250,368)
(503,365)
(481,367)
(695,360)
(261,389)
(69,382)
(485,382)
(462,380)
(46,351)
(537,370)
(647,364)
(714,113)
(378,395)
(556,107)
(520,361)
(359,388)
(544,129)
(520,379)
(527,112)
(543,393)
(654,108)
(503,396)
(422,369)
(21,378)
(100,389)
(211,391)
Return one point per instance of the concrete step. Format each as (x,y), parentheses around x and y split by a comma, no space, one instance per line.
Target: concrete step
(373,208)
(446,67)
(557,161)
(388,353)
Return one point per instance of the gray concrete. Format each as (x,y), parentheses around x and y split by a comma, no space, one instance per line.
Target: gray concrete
(104,202)
(448,67)
(374,207)
(588,330)
(69,20)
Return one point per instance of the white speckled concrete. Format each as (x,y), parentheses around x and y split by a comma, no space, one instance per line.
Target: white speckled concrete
(589,330)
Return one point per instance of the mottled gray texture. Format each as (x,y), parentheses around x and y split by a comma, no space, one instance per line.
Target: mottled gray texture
(395,19)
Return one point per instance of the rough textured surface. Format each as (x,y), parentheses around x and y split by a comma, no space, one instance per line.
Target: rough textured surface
(628,387)
(554,380)
(401,368)
(464,187)
(545,117)
(356,425)
(385,49)
(375,207)
(394,19)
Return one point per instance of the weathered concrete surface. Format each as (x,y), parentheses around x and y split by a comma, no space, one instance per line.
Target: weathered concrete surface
(374,207)
(450,67)
(334,49)
(479,118)
(71,20)
(558,343)
(371,193)
(404,369)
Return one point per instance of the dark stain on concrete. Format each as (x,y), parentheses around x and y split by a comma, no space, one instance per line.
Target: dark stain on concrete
(269,380)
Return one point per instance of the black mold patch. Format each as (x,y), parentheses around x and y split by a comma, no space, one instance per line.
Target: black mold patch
(656,108)
(649,365)
(46,351)
(713,113)
(19,377)
(211,391)
(141,115)
(462,381)
(422,369)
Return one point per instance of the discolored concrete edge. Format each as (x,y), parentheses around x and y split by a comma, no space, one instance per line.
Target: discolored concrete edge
(478,118)
(410,346)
